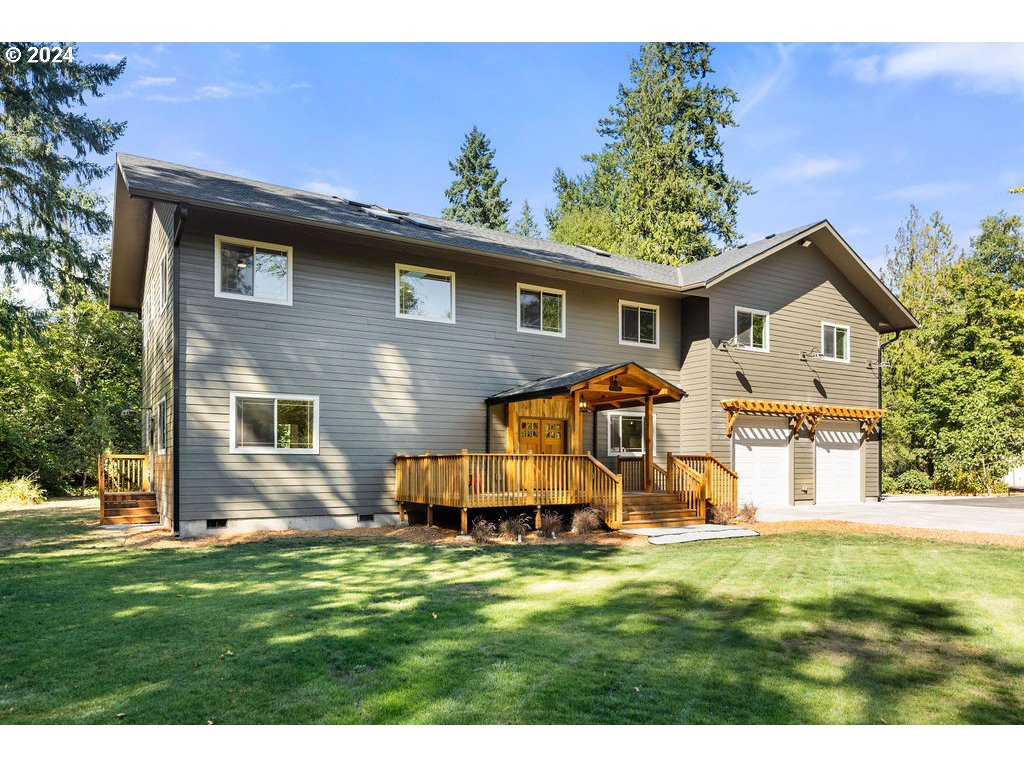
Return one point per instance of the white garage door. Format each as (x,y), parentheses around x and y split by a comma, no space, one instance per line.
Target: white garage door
(837,467)
(761,450)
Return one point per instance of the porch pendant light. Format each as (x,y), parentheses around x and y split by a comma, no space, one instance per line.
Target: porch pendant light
(615,386)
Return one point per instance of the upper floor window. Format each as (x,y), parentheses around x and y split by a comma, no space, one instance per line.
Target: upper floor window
(423,293)
(638,324)
(246,269)
(835,342)
(751,329)
(263,423)
(541,310)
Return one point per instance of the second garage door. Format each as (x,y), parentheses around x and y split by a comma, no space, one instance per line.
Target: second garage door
(761,450)
(837,464)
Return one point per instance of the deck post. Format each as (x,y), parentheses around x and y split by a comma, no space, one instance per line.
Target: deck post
(464,467)
(430,515)
(531,479)
(649,444)
(426,480)
(670,480)
(401,511)
(465,522)
(588,480)
(145,473)
(99,484)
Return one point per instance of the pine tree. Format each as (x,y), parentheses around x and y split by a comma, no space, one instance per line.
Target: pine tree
(48,209)
(661,176)
(526,226)
(475,194)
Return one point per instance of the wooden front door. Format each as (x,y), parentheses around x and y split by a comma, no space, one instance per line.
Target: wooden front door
(542,435)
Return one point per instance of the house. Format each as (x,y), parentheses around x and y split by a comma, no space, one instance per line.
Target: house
(303,353)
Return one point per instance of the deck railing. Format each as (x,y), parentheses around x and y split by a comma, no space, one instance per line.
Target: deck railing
(478,480)
(722,483)
(121,473)
(632,470)
(691,486)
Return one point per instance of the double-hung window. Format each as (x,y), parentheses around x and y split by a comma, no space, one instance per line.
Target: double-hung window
(625,434)
(835,342)
(424,293)
(541,310)
(253,271)
(638,324)
(275,423)
(751,329)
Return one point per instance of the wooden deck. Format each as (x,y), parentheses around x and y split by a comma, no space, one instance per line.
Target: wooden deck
(123,486)
(465,481)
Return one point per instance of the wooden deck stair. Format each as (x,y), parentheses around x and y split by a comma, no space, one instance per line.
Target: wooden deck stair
(135,508)
(656,510)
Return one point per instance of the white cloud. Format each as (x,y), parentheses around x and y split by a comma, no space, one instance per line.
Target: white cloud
(154,82)
(807,168)
(757,92)
(214,92)
(926,191)
(992,67)
(219,91)
(327,188)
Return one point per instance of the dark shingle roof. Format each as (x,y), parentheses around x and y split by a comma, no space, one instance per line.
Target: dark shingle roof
(156,179)
(563,383)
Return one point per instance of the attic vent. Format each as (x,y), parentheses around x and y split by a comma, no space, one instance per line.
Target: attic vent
(421,223)
(590,248)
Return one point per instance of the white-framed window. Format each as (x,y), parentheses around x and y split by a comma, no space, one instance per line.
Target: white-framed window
(272,423)
(751,328)
(161,426)
(540,310)
(424,293)
(252,271)
(626,433)
(638,324)
(835,342)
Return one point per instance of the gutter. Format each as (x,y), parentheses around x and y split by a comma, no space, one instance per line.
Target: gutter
(881,348)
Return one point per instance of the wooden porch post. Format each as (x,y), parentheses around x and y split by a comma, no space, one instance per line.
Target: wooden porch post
(649,444)
(577,425)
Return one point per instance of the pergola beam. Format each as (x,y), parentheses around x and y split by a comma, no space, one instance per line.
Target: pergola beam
(809,414)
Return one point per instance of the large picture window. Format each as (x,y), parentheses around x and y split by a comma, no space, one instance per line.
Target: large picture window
(275,423)
(541,310)
(638,324)
(246,269)
(835,342)
(626,434)
(751,329)
(424,294)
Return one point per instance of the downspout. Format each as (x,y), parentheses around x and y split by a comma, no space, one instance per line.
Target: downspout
(180,217)
(881,348)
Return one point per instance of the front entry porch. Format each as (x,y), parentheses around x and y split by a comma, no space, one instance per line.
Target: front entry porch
(545,464)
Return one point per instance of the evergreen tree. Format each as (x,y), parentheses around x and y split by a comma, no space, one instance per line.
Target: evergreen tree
(661,175)
(475,194)
(526,226)
(1000,246)
(48,152)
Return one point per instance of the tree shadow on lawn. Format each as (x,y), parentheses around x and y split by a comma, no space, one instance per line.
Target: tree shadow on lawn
(375,630)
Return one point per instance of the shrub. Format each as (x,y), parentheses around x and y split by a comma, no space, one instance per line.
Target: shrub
(746,514)
(483,530)
(513,526)
(914,481)
(21,492)
(550,524)
(889,484)
(721,514)
(587,520)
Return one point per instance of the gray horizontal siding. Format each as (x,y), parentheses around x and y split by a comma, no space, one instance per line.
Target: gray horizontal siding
(800,288)
(385,384)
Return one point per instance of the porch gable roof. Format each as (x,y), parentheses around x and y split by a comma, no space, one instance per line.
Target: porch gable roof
(636,377)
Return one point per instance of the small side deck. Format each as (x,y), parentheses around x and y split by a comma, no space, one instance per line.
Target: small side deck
(124,492)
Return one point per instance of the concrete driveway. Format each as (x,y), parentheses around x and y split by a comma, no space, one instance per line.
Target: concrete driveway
(986,514)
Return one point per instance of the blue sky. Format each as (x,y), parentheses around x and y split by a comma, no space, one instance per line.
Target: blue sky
(852,133)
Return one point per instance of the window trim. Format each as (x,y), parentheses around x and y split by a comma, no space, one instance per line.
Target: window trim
(542,290)
(826,323)
(430,271)
(160,433)
(736,328)
(608,432)
(275,396)
(657,324)
(219,240)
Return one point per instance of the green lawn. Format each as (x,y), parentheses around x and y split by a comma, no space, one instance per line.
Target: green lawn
(798,628)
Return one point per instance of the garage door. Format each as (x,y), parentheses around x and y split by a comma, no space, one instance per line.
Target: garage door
(761,451)
(837,466)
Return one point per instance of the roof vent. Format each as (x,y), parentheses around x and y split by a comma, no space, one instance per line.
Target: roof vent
(359,205)
(421,223)
(380,213)
(769,237)
(592,249)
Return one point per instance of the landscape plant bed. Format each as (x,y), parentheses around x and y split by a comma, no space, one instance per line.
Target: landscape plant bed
(365,627)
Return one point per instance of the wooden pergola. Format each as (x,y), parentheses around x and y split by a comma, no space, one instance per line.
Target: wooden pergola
(801,414)
(570,395)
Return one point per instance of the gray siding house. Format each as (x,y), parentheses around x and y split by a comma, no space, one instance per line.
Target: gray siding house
(294,343)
